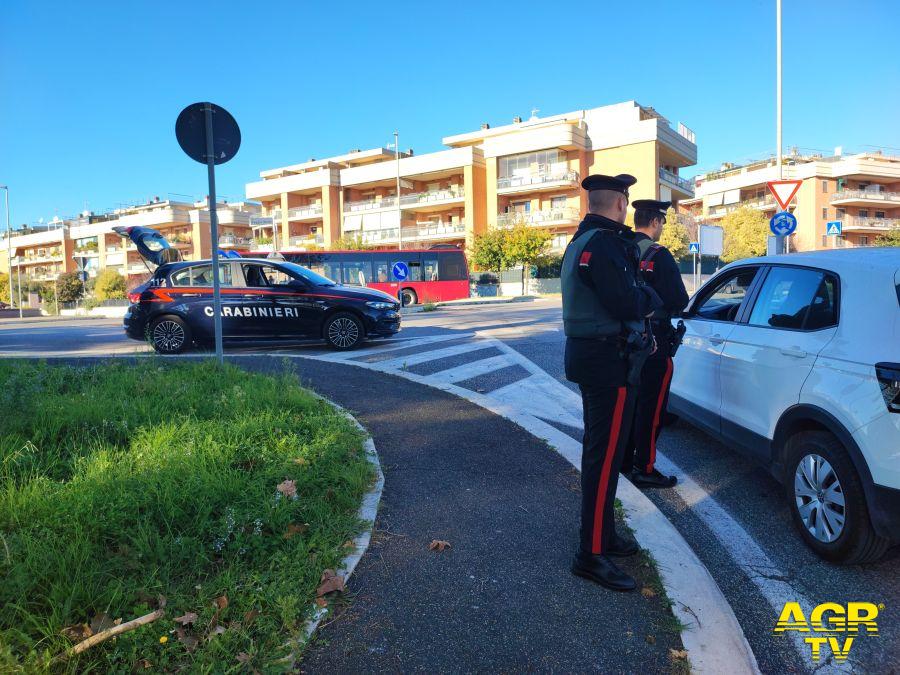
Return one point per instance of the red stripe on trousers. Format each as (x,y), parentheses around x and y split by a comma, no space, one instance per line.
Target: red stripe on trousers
(659,405)
(607,466)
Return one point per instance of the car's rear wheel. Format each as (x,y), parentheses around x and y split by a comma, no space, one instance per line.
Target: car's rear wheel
(409,297)
(170,335)
(827,500)
(344,331)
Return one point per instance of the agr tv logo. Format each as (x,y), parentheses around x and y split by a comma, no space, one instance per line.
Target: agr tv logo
(831,619)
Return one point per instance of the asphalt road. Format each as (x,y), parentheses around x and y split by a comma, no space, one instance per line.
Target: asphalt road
(759,525)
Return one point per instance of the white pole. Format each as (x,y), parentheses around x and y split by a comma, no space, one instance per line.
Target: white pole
(9,251)
(779,239)
(399,212)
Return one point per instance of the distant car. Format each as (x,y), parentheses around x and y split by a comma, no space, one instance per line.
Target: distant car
(796,360)
(4,305)
(261,299)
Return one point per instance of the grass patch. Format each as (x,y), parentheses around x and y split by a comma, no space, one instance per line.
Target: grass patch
(120,483)
(429,307)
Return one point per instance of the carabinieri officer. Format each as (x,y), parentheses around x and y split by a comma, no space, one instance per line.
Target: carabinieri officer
(659,271)
(607,338)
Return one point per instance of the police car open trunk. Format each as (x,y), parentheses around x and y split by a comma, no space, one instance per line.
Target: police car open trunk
(153,247)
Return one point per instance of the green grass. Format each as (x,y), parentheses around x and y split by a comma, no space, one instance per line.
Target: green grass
(120,483)
(429,307)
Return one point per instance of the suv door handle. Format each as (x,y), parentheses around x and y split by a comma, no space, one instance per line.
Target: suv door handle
(716,339)
(793,351)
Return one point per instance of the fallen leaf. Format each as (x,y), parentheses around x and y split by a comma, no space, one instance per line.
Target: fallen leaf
(321,602)
(102,622)
(189,640)
(302,461)
(678,653)
(243,657)
(349,544)
(438,545)
(287,488)
(188,618)
(330,582)
(221,602)
(143,664)
(249,616)
(78,632)
(216,630)
(648,592)
(293,529)
(650,640)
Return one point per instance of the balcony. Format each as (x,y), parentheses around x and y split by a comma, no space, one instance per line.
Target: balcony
(537,181)
(433,198)
(766,203)
(308,241)
(311,212)
(548,217)
(674,180)
(435,231)
(370,204)
(866,197)
(861,224)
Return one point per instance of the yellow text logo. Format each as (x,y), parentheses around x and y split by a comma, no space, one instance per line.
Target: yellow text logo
(837,625)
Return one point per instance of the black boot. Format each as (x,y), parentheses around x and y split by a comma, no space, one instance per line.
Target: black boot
(652,480)
(620,547)
(602,570)
(669,419)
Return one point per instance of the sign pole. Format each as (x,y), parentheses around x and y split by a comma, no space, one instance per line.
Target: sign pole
(779,239)
(214,231)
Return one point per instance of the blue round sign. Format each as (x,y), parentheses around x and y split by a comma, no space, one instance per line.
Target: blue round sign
(783,223)
(400,270)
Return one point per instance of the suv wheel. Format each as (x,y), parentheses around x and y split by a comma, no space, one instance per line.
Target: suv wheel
(827,501)
(170,335)
(344,331)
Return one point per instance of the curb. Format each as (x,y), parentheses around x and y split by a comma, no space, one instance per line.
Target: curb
(713,637)
(368,510)
(417,309)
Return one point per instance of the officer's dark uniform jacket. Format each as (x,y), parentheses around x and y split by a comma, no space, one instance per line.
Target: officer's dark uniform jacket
(660,271)
(601,291)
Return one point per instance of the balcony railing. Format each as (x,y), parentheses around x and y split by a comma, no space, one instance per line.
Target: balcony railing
(378,236)
(440,230)
(763,203)
(311,211)
(868,195)
(686,133)
(311,240)
(432,196)
(862,223)
(368,204)
(537,179)
(683,183)
(538,218)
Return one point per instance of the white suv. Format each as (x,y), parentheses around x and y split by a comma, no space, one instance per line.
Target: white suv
(796,360)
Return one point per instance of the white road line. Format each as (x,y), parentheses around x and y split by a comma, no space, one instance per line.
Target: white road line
(375,348)
(469,370)
(431,355)
(530,395)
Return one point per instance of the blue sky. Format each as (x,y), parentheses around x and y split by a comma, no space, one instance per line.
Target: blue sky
(89,91)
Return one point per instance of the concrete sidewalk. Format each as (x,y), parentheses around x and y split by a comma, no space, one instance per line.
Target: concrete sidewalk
(501,598)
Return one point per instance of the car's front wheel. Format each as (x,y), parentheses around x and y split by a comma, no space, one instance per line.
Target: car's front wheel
(170,335)
(344,331)
(827,500)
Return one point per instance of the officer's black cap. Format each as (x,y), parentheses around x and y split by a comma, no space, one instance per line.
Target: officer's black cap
(619,183)
(651,205)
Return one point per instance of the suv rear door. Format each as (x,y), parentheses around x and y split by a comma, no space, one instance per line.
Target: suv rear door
(709,319)
(772,349)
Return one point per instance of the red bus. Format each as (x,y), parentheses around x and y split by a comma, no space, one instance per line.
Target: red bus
(435,275)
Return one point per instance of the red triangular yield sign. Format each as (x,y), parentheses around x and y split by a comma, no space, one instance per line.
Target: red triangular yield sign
(784,191)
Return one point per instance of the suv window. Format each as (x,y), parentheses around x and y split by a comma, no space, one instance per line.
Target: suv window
(261,276)
(797,299)
(201,275)
(722,302)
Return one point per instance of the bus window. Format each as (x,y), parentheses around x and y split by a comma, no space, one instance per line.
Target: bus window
(331,267)
(429,268)
(357,272)
(452,266)
(382,270)
(415,271)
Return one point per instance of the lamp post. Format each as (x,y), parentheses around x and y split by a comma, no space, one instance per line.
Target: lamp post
(9,254)
(399,212)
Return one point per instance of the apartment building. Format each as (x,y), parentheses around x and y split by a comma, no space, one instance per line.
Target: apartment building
(862,190)
(528,171)
(45,252)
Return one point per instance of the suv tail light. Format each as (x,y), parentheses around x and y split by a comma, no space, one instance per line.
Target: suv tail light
(134,298)
(889,378)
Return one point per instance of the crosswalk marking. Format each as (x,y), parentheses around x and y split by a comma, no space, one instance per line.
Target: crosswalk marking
(470,370)
(431,355)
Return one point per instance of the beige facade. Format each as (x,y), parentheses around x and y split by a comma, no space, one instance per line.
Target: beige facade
(528,171)
(862,191)
(46,252)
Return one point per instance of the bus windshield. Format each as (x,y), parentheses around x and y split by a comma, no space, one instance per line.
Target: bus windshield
(309,275)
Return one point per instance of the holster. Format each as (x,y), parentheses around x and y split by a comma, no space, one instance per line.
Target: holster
(677,337)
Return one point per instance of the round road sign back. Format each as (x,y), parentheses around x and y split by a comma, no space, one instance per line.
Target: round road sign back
(190,129)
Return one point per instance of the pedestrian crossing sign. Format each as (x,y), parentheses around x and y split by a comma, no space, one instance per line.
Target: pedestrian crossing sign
(834,228)
(694,247)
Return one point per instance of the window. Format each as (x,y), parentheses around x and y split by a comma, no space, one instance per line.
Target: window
(863,213)
(723,301)
(840,213)
(863,240)
(452,267)
(201,275)
(558,203)
(382,270)
(429,268)
(824,186)
(260,276)
(357,272)
(824,213)
(789,295)
(879,215)
(415,271)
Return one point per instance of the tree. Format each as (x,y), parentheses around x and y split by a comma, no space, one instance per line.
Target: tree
(489,250)
(746,233)
(351,243)
(4,287)
(675,235)
(69,287)
(109,285)
(890,238)
(524,246)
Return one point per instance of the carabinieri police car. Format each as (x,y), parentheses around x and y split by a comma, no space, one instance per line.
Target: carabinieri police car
(261,300)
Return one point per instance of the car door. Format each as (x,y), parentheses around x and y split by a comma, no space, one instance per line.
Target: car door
(283,305)
(194,287)
(771,351)
(696,389)
(151,245)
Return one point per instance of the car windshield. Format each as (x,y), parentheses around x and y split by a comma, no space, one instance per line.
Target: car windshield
(308,275)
